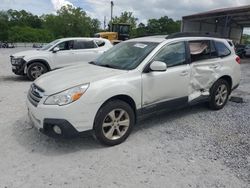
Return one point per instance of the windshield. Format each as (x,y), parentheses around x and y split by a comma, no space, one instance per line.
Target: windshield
(126,55)
(48,46)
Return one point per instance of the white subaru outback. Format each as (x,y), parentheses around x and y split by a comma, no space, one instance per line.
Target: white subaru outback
(132,79)
(59,53)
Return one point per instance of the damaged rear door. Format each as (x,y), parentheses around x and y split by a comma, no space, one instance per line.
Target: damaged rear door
(205,67)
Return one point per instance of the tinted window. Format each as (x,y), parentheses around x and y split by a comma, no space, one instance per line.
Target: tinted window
(172,55)
(202,50)
(222,49)
(81,44)
(67,45)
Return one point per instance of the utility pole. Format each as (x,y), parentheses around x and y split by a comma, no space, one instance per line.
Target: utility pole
(112,5)
(104,22)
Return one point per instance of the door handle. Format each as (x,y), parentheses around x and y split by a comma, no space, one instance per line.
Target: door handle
(184,73)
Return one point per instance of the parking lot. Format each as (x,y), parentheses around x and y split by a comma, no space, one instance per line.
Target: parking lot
(192,147)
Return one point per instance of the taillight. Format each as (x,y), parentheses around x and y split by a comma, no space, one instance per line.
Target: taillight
(238,59)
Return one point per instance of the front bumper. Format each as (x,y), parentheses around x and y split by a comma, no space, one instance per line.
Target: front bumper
(67,130)
(18,69)
(72,119)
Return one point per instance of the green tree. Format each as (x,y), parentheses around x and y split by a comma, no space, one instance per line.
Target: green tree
(163,25)
(28,34)
(23,18)
(71,22)
(126,17)
(3,26)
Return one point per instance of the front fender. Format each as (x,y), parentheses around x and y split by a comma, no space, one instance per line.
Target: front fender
(102,91)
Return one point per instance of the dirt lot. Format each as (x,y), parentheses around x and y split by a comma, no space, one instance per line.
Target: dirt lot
(193,147)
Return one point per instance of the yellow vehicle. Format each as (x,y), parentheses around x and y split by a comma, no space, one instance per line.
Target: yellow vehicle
(118,32)
(107,35)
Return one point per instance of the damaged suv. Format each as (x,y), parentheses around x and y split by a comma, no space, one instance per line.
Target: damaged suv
(132,79)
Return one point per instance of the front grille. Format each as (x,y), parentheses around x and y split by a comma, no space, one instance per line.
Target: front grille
(35,94)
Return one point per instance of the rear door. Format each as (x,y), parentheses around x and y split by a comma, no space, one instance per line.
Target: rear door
(207,63)
(85,51)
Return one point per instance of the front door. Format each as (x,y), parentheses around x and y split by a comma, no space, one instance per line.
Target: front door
(65,56)
(171,85)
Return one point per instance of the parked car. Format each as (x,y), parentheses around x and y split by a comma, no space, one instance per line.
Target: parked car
(6,45)
(37,45)
(242,50)
(57,54)
(132,79)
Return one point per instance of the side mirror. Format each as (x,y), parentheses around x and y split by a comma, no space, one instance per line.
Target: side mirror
(158,66)
(56,49)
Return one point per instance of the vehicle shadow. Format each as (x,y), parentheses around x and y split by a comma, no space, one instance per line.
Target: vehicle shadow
(14,79)
(35,142)
(159,118)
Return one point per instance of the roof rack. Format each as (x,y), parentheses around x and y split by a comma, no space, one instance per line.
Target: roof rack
(192,34)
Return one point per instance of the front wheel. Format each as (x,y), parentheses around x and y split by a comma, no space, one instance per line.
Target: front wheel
(35,70)
(114,122)
(219,94)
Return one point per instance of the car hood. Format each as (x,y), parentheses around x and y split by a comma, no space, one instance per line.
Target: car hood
(28,53)
(62,79)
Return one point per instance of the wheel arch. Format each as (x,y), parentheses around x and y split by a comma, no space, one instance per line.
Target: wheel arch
(125,98)
(38,61)
(228,79)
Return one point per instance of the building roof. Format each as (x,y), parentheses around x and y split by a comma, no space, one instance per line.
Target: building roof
(240,15)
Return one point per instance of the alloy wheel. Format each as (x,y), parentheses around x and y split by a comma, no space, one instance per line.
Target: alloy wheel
(221,95)
(115,124)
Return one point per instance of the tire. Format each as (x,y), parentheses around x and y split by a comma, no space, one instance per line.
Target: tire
(219,94)
(35,70)
(108,129)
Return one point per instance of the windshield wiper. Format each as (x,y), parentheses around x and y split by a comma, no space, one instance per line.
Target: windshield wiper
(104,65)
(109,66)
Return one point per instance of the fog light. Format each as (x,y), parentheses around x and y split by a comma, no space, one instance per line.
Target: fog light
(57,129)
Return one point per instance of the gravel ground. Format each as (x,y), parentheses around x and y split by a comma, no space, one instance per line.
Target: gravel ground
(192,147)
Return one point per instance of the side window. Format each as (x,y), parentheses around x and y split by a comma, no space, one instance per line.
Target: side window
(82,44)
(172,55)
(202,50)
(67,45)
(223,51)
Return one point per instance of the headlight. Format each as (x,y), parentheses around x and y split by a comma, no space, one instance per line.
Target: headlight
(68,96)
(17,60)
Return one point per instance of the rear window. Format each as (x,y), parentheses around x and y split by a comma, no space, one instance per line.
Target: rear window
(223,51)
(82,44)
(202,50)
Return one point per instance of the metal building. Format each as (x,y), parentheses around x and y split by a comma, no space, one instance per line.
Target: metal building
(226,22)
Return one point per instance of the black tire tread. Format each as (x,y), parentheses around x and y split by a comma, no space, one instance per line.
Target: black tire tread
(106,108)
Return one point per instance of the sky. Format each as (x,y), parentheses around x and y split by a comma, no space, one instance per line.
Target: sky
(142,9)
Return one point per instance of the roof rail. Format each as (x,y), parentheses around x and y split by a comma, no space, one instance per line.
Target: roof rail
(192,34)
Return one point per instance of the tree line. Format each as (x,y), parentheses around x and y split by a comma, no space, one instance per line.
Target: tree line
(69,21)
